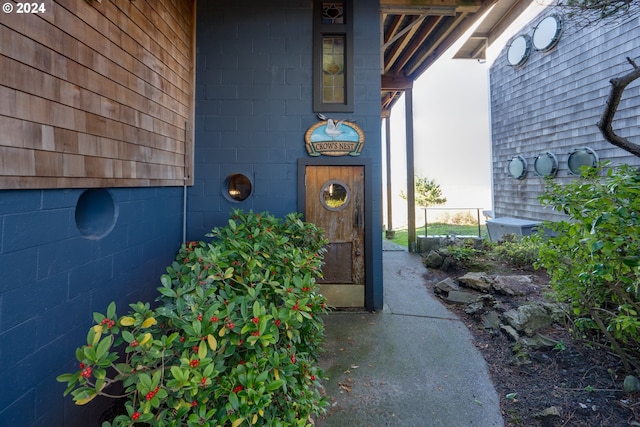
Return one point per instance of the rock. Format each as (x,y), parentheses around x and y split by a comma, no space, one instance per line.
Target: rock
(511,333)
(474,308)
(446,264)
(528,318)
(514,285)
(447,285)
(547,414)
(631,384)
(428,244)
(459,297)
(479,281)
(433,260)
(538,342)
(491,320)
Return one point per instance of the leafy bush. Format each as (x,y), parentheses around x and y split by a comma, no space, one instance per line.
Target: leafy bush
(594,257)
(233,341)
(520,253)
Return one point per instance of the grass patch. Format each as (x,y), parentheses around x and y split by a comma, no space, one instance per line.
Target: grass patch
(438,229)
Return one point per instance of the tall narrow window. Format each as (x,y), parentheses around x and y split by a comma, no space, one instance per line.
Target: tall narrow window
(333,56)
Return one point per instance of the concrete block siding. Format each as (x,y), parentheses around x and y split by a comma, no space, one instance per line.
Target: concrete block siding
(553,102)
(52,279)
(254,104)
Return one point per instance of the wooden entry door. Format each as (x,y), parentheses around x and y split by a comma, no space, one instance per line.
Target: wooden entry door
(334,200)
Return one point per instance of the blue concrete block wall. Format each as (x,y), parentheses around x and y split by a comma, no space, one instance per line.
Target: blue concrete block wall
(52,279)
(254,104)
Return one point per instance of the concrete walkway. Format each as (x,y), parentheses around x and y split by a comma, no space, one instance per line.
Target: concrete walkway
(413,365)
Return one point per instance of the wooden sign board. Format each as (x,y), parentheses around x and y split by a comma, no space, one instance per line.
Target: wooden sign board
(334,138)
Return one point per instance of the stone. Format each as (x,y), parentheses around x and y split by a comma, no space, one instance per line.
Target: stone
(433,260)
(491,320)
(474,308)
(446,264)
(511,333)
(428,244)
(514,285)
(528,318)
(477,280)
(631,384)
(538,342)
(445,286)
(459,297)
(548,414)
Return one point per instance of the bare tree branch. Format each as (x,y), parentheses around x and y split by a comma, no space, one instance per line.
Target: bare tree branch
(618,85)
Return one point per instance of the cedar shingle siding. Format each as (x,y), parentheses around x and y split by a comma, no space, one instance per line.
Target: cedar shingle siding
(553,102)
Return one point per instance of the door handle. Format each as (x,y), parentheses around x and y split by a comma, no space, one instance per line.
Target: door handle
(358,218)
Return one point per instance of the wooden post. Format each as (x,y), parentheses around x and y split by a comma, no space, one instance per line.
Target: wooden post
(389,232)
(411,193)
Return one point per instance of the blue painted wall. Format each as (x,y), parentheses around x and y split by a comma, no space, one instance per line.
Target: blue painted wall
(52,279)
(254,104)
(253,107)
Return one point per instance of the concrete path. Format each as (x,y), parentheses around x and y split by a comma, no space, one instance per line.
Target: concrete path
(413,365)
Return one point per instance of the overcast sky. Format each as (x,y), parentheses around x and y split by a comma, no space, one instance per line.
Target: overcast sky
(451,128)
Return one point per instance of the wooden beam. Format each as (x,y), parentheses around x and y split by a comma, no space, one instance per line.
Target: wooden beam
(415,6)
(396,83)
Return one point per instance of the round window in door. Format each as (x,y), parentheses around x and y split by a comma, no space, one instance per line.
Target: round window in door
(335,195)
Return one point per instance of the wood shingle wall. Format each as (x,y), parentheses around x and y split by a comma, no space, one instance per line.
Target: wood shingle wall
(97,94)
(553,103)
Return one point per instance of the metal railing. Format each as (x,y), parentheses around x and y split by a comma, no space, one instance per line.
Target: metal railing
(452,221)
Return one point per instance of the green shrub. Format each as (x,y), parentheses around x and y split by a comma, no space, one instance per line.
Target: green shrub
(593,258)
(234,340)
(519,253)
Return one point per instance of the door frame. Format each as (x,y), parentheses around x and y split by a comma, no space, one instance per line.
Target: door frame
(369,297)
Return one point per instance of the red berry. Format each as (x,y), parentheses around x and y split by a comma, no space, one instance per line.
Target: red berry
(194,363)
(135,416)
(86,372)
(277,322)
(200,317)
(293,358)
(194,403)
(134,343)
(313,377)
(237,389)
(214,318)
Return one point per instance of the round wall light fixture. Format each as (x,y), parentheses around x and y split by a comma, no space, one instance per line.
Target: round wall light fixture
(547,33)
(517,167)
(581,157)
(546,165)
(519,50)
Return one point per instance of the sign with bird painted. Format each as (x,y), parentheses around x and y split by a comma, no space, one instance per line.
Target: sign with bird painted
(331,137)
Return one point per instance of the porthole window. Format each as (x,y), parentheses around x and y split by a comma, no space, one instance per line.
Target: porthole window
(547,33)
(517,167)
(335,195)
(95,214)
(237,187)
(545,164)
(580,157)
(519,50)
